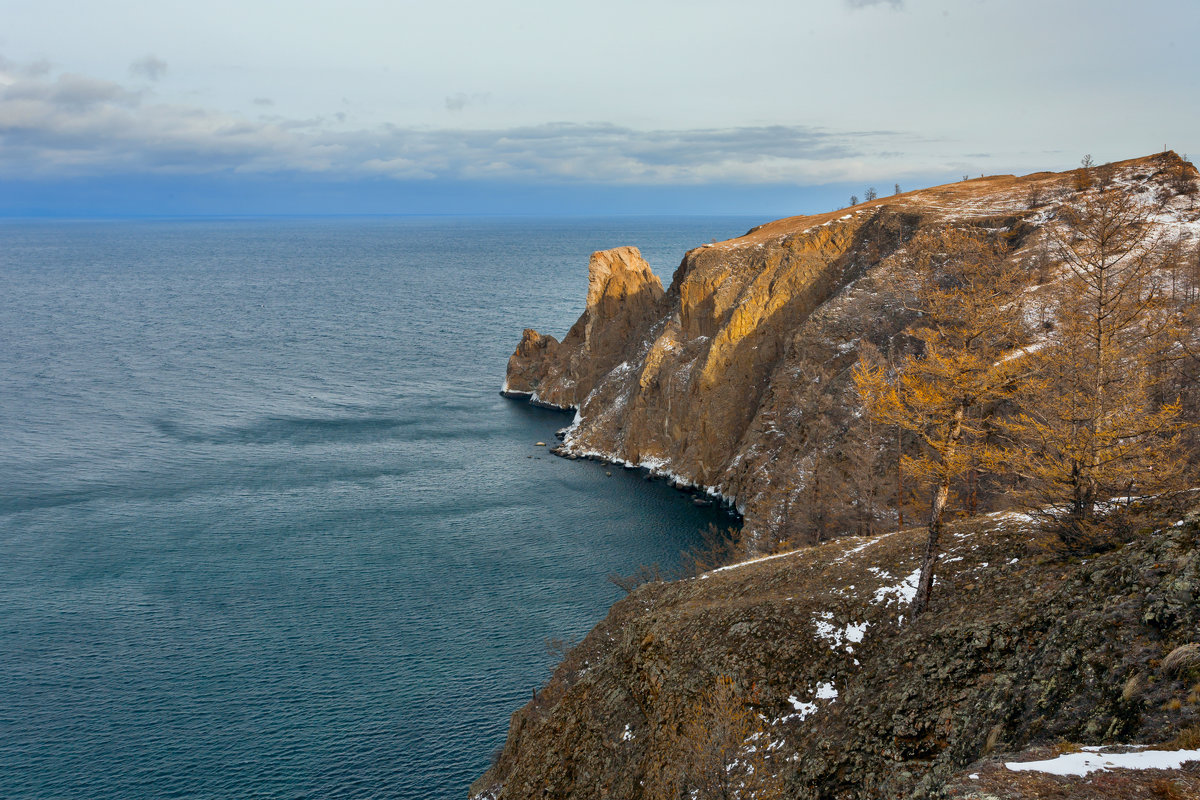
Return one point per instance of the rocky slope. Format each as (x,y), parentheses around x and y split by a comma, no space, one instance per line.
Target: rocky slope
(1019,649)
(736,378)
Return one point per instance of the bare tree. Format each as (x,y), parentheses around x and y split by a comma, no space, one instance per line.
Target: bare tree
(853,199)
(722,751)
(1082,177)
(871,194)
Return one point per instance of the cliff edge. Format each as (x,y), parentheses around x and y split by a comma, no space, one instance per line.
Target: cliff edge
(623,300)
(737,377)
(1020,650)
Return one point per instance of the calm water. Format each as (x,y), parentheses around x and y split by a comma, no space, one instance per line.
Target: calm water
(266,527)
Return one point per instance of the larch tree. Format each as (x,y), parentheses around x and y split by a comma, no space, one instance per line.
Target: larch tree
(971,320)
(721,751)
(1095,430)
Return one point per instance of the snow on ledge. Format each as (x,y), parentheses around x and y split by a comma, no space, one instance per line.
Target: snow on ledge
(1091,760)
(748,562)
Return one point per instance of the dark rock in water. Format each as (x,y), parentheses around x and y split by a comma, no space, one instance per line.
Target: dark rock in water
(701,501)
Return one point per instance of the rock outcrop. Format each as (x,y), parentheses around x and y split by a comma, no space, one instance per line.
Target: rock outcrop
(1019,649)
(623,300)
(737,377)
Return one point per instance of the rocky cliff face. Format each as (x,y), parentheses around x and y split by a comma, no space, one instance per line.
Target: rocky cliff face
(1019,649)
(737,378)
(623,300)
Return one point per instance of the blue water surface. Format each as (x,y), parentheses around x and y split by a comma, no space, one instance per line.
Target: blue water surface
(266,527)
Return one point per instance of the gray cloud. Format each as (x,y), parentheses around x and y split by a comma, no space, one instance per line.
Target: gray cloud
(32,69)
(73,125)
(263,101)
(68,93)
(868,3)
(459,101)
(151,68)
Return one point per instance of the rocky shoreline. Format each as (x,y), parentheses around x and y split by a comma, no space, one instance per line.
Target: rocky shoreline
(703,496)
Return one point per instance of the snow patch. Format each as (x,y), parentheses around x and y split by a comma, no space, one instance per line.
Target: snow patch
(748,562)
(838,637)
(1091,760)
(902,592)
(859,548)
(803,709)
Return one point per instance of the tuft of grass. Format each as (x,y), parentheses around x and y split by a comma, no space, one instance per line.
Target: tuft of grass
(1168,789)
(1182,659)
(1132,687)
(1062,747)
(1188,739)
(993,738)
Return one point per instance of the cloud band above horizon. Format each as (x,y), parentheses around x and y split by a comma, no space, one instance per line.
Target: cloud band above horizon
(70,125)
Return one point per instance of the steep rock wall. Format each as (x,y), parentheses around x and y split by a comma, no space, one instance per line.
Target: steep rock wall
(623,299)
(738,375)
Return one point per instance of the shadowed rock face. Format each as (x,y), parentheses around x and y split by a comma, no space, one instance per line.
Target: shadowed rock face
(622,302)
(712,381)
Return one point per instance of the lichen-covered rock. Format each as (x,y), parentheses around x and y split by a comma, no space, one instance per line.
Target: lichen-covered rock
(1018,649)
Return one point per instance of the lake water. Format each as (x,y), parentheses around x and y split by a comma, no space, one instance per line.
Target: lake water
(267,528)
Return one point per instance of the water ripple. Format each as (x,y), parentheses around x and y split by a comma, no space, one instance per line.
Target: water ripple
(268,530)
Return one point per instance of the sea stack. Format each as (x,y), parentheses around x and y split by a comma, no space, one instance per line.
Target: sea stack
(623,299)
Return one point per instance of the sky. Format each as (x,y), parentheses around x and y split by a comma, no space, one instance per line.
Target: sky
(116,107)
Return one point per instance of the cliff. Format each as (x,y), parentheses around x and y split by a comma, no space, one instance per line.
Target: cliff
(736,379)
(1019,650)
(623,300)
(801,663)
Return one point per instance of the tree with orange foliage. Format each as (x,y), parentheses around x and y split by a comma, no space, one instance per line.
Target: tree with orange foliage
(971,321)
(1094,430)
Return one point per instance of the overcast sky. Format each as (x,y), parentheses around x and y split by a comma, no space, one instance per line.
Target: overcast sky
(762,103)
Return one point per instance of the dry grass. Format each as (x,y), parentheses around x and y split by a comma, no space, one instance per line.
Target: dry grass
(1169,789)
(1132,687)
(1182,658)
(1063,747)
(1188,739)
